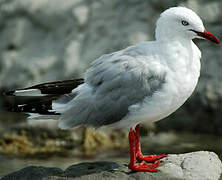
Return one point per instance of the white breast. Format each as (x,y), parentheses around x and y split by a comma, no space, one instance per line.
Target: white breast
(182,77)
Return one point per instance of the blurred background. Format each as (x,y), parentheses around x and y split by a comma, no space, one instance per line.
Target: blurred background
(48,40)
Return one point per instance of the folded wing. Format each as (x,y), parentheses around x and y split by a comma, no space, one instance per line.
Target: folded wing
(112,84)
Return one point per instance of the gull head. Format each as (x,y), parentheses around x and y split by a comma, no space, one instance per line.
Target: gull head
(181,23)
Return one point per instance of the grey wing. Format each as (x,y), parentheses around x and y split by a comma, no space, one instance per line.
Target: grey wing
(112,85)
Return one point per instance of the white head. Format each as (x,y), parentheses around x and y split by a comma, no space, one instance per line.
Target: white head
(181,23)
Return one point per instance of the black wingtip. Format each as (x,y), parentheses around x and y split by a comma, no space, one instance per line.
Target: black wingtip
(15,101)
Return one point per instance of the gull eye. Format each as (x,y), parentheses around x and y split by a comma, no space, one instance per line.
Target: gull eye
(185,23)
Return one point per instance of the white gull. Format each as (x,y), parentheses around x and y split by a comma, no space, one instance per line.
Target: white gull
(144,82)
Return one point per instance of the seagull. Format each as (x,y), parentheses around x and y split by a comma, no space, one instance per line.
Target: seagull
(145,82)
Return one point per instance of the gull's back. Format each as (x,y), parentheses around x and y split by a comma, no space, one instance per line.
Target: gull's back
(112,84)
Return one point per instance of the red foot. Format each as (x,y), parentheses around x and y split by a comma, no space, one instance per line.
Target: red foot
(144,167)
(150,158)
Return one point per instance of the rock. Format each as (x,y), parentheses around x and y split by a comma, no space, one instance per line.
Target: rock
(44,139)
(94,141)
(32,143)
(195,165)
(35,36)
(190,166)
(33,172)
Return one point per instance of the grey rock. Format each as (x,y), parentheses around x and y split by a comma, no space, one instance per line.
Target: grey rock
(196,165)
(33,172)
(202,165)
(35,40)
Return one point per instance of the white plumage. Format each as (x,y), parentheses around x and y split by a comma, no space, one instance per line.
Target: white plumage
(144,82)
(168,69)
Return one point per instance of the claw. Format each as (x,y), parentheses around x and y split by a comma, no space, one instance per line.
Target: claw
(144,167)
(150,158)
(136,154)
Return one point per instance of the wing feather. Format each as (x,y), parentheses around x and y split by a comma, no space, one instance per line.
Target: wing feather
(38,98)
(112,84)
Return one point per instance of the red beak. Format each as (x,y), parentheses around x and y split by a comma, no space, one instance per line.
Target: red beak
(208,35)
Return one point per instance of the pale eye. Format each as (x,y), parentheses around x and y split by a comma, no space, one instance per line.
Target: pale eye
(185,23)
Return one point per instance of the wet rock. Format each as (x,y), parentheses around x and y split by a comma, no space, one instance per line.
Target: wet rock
(32,143)
(33,172)
(44,139)
(189,166)
(94,141)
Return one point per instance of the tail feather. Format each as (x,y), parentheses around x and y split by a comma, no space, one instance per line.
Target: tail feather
(37,100)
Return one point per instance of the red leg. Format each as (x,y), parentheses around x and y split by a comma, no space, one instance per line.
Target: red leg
(142,166)
(139,155)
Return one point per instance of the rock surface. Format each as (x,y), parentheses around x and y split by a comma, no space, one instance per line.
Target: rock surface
(48,40)
(202,165)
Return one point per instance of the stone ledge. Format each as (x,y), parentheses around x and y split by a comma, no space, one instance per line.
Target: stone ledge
(189,166)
